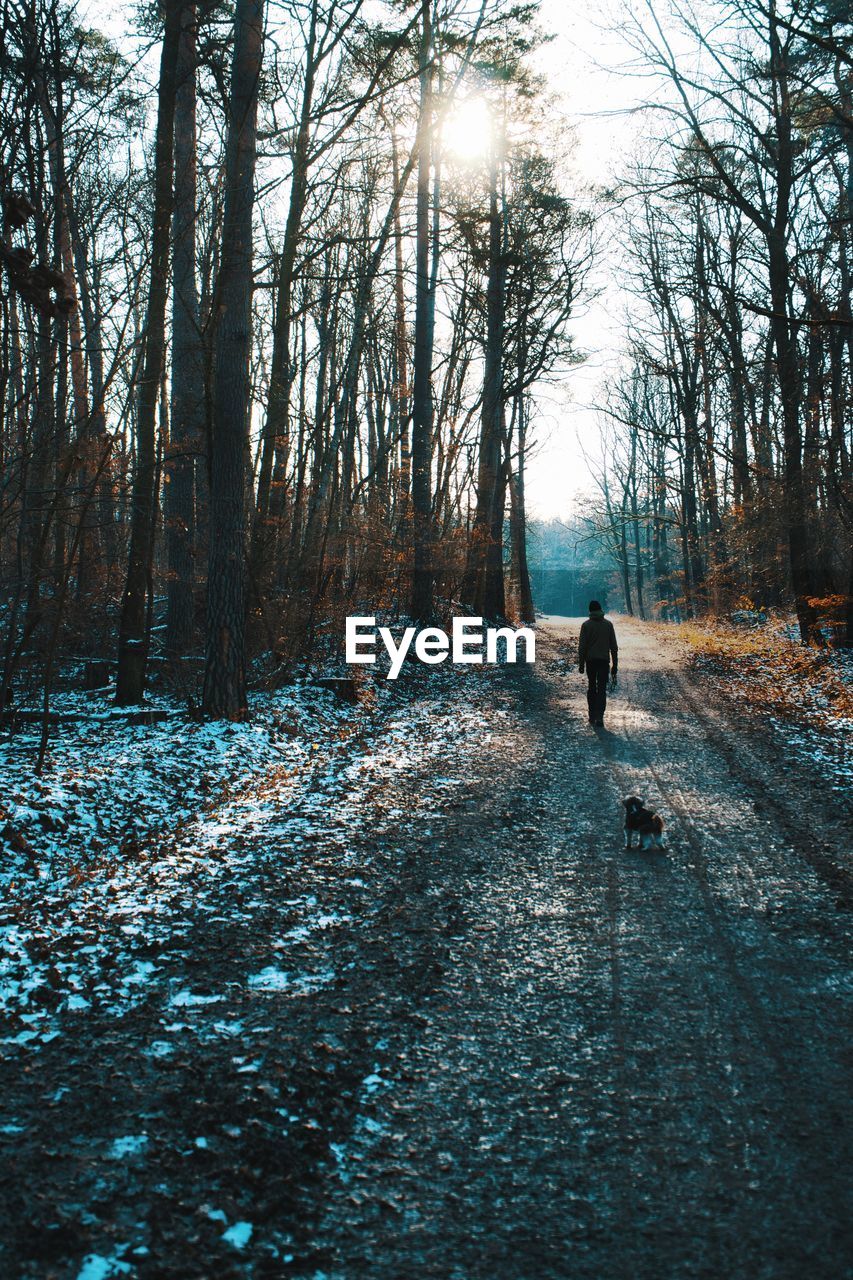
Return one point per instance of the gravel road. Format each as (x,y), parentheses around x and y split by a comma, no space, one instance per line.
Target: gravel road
(543,1057)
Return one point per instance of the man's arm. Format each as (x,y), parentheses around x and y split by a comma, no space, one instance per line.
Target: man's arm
(614,650)
(582,648)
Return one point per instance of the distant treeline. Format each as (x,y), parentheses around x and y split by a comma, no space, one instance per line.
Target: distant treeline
(571,564)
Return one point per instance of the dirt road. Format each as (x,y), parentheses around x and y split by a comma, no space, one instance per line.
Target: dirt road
(525,1054)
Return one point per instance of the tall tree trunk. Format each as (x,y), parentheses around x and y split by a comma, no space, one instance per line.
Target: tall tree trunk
(483,586)
(785,341)
(422,407)
(625,565)
(694,586)
(788,375)
(274,443)
(848,613)
(225,667)
(103,507)
(52,112)
(639,577)
(401,385)
(133,629)
(187,414)
(738,380)
(39,510)
(518,521)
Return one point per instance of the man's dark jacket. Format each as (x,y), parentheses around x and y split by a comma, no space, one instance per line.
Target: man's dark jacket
(598,641)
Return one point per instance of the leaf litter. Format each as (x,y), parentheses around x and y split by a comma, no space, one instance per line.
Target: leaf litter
(165,886)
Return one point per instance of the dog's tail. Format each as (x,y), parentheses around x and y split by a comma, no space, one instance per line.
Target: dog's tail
(658,824)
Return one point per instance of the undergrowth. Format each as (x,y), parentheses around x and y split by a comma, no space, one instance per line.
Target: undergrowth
(774,674)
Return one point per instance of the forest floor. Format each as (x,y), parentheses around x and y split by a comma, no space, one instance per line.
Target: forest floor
(377,992)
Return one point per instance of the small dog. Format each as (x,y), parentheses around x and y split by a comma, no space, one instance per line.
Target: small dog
(648,825)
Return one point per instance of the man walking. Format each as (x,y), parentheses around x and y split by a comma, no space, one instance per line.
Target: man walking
(598,652)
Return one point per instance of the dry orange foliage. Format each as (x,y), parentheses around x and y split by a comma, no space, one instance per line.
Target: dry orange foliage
(774,674)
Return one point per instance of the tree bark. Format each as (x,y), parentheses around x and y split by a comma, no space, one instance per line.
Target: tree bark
(225,667)
(483,587)
(401,355)
(133,630)
(422,406)
(788,377)
(518,521)
(784,339)
(187,405)
(274,443)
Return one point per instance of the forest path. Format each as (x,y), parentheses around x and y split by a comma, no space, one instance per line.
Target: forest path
(627,1064)
(498,1046)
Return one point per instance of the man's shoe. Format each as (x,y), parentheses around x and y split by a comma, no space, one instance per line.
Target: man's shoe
(599,724)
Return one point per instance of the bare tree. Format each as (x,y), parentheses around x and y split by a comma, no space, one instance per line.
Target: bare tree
(225,669)
(133,636)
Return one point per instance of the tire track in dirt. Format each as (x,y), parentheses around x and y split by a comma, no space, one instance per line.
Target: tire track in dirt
(788,814)
(612,900)
(623,1267)
(697,866)
(801,1110)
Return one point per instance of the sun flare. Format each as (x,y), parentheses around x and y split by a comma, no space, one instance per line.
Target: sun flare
(468,129)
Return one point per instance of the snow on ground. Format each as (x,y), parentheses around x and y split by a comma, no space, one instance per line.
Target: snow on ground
(133,834)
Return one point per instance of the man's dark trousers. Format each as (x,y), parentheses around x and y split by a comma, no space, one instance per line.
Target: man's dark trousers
(597,671)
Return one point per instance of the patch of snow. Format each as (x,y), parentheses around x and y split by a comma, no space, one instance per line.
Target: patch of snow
(156,829)
(160,1049)
(97,1267)
(141,972)
(273,979)
(131,1145)
(228,1028)
(239,1235)
(189,999)
(303,931)
(23,1037)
